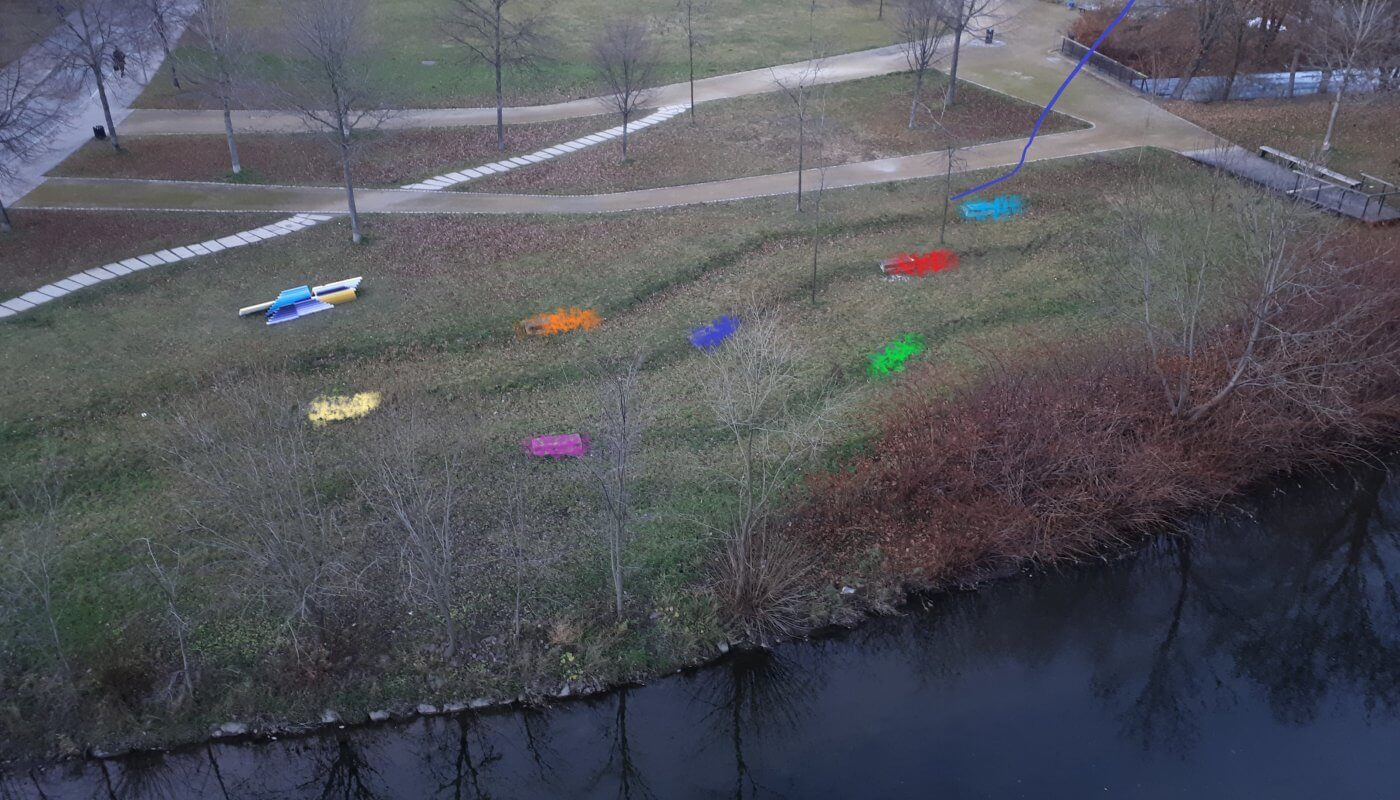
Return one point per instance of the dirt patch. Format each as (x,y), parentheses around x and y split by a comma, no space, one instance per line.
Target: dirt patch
(48,245)
(389,158)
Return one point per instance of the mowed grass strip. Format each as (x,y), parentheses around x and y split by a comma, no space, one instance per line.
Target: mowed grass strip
(738,34)
(383,159)
(848,122)
(48,245)
(95,378)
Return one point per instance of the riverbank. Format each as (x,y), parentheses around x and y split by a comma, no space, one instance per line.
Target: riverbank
(1061,454)
(1145,674)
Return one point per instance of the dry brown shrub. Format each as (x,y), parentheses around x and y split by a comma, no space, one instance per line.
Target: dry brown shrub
(1063,455)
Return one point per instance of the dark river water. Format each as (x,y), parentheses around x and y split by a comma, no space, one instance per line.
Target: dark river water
(1256,657)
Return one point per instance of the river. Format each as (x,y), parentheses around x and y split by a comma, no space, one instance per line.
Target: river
(1256,656)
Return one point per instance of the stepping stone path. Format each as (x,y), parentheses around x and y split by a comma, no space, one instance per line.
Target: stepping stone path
(116,269)
(440,182)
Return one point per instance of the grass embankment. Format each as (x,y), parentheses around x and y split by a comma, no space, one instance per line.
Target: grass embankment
(94,379)
(853,121)
(740,35)
(1363,142)
(384,159)
(48,245)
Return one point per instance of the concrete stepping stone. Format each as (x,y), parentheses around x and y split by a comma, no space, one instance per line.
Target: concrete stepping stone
(52,291)
(35,297)
(149,260)
(68,284)
(16,305)
(117,269)
(82,278)
(100,274)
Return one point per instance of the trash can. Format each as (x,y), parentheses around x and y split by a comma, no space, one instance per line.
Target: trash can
(99,133)
(990,34)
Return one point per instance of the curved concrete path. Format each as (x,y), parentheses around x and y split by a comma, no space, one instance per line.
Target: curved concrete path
(835,69)
(1024,64)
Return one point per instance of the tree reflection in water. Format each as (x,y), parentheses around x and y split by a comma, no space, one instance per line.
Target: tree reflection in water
(762,694)
(1300,602)
(1275,622)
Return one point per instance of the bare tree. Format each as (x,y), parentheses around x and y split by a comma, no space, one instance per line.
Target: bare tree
(773,422)
(800,90)
(166,17)
(619,425)
(33,552)
(816,232)
(166,573)
(252,487)
(333,93)
(88,33)
(1211,18)
(625,57)
(29,112)
(1351,35)
(492,38)
(918,31)
(416,485)
(1216,254)
(690,12)
(961,17)
(223,70)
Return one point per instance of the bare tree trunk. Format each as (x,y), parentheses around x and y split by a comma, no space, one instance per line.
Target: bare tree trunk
(947,195)
(1179,91)
(914,105)
(350,194)
(1293,72)
(1332,120)
(624,137)
(951,95)
(801,154)
(106,109)
(690,55)
(5,226)
(232,145)
(500,99)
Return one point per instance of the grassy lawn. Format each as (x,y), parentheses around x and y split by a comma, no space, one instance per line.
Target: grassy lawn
(865,119)
(25,22)
(743,34)
(386,158)
(95,378)
(47,245)
(1363,142)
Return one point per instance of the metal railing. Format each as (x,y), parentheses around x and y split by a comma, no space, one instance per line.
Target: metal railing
(1337,197)
(1104,64)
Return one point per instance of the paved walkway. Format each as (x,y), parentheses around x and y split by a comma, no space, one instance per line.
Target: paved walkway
(454,178)
(84,108)
(836,69)
(1328,196)
(1023,64)
(116,269)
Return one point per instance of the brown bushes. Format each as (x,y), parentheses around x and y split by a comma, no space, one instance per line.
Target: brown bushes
(1060,457)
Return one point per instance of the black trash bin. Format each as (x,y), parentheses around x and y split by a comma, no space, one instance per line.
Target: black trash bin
(990,35)
(99,133)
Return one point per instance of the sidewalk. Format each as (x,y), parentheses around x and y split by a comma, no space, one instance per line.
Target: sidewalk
(84,107)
